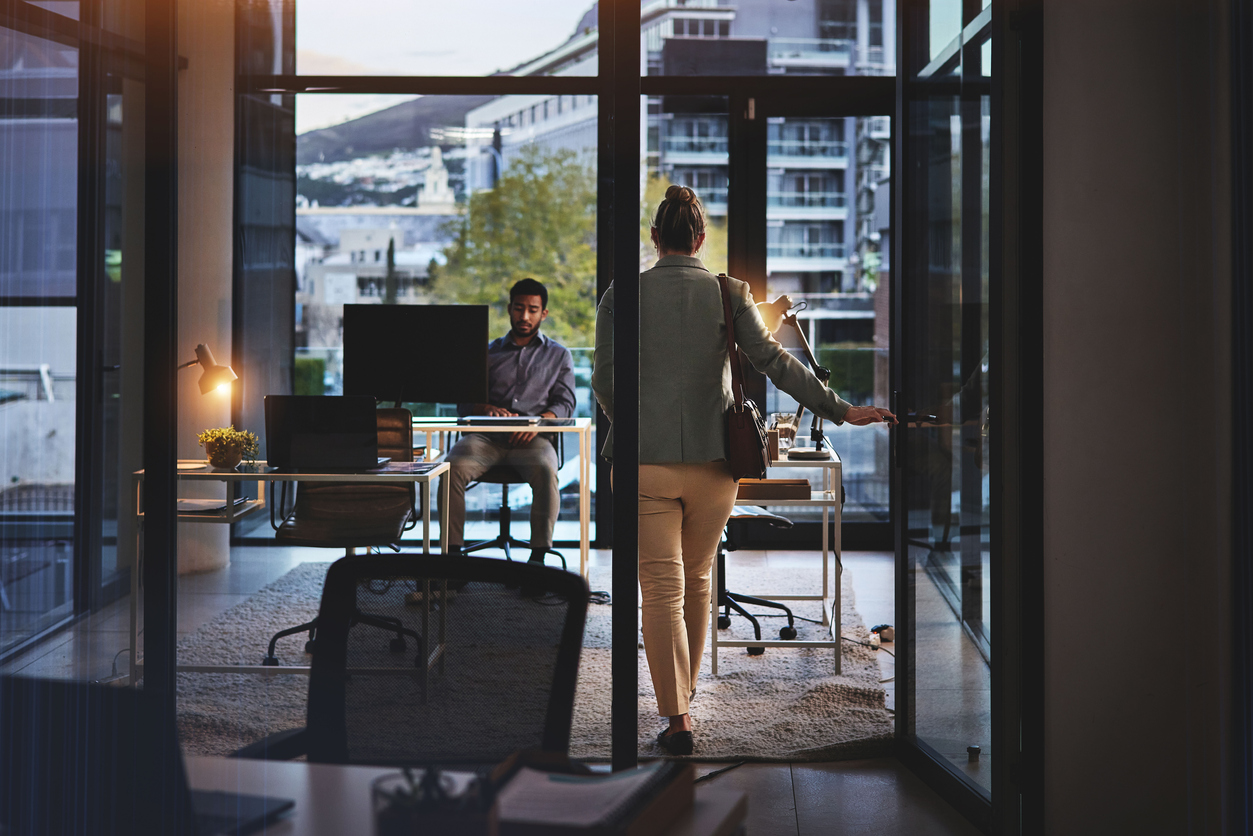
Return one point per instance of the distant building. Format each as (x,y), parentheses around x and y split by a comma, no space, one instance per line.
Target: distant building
(355,272)
(822,173)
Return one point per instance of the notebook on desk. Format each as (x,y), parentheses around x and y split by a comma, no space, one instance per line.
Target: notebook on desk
(70,764)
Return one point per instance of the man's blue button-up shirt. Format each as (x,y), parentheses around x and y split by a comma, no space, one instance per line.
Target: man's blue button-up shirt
(530,379)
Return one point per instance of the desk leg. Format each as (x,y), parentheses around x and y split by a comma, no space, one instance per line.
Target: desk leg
(585,498)
(713,620)
(136,571)
(444,493)
(426,517)
(837,539)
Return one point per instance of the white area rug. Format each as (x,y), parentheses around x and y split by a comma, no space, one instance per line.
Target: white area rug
(785,705)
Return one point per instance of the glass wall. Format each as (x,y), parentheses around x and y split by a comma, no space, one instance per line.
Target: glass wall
(473,194)
(38,364)
(945,453)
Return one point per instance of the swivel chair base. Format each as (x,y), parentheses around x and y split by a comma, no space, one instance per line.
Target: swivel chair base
(387,623)
(505,542)
(732,600)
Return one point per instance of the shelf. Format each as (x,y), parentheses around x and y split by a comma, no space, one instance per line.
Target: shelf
(815,498)
(242,511)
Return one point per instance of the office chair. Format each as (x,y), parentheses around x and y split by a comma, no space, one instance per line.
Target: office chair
(489,671)
(505,475)
(743,518)
(352,515)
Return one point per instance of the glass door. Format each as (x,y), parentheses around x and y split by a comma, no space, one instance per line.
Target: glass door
(944,530)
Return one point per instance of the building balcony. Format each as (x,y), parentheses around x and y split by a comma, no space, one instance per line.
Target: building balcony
(805,258)
(799,153)
(809,53)
(807,206)
(694,150)
(714,200)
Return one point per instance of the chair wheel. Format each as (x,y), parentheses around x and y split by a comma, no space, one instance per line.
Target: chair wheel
(724,621)
(756,651)
(269,662)
(397,645)
(309,646)
(787,632)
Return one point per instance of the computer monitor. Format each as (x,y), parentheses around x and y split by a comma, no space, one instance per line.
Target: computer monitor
(416,353)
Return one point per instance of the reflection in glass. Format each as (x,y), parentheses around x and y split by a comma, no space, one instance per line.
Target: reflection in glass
(450,200)
(38,287)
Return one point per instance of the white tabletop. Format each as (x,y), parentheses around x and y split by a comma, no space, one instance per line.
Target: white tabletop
(335,800)
(260,471)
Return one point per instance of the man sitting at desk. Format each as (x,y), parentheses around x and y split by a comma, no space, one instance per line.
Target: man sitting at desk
(527,374)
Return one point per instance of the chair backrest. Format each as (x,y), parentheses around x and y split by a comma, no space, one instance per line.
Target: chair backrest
(395,428)
(488,668)
(343,514)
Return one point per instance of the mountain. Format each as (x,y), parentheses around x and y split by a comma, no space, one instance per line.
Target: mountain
(407,125)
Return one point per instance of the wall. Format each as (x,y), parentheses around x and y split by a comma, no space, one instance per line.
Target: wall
(1137,433)
(206,157)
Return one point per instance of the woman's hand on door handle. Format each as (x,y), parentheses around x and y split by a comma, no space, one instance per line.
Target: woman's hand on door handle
(860,416)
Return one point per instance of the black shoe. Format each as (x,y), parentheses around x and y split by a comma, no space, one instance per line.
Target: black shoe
(537,558)
(679,743)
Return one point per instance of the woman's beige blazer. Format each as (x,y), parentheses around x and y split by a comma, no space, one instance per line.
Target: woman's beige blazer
(685,375)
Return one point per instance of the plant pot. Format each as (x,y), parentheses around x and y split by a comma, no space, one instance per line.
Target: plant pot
(224,456)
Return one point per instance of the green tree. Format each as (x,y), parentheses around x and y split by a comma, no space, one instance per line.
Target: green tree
(539,221)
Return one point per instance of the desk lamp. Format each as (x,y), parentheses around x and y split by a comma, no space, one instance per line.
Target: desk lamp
(213,376)
(775,314)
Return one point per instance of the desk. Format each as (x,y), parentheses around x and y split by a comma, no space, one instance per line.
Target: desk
(335,800)
(830,499)
(582,426)
(199,471)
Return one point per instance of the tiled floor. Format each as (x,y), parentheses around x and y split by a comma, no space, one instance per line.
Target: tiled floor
(871,797)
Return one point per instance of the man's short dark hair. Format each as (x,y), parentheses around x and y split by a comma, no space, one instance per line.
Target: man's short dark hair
(530,287)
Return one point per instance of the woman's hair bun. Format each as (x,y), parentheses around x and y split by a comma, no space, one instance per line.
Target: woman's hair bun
(682,194)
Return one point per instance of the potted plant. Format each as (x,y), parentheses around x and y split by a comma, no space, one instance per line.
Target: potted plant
(227,446)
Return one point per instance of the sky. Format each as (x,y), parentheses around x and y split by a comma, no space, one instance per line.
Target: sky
(418,37)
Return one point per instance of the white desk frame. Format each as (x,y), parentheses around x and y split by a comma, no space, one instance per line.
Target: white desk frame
(829,499)
(333,800)
(582,426)
(233,513)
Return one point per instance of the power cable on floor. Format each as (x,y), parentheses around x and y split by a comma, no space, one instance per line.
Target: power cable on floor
(718,772)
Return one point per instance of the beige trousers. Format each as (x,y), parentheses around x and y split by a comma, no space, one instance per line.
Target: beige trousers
(683,510)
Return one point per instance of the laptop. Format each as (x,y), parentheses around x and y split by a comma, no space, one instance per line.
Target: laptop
(500,420)
(310,432)
(70,764)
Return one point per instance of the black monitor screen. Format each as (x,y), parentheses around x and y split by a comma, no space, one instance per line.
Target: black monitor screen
(416,353)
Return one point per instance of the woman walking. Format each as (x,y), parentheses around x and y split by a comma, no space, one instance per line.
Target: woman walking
(686,492)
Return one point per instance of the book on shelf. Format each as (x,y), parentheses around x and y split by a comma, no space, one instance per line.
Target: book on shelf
(207,506)
(635,802)
(773,489)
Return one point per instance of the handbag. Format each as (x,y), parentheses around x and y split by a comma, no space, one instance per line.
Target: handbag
(746,429)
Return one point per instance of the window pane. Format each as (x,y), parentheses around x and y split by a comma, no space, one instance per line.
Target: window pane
(829,37)
(38,249)
(469,194)
(828,214)
(468,38)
